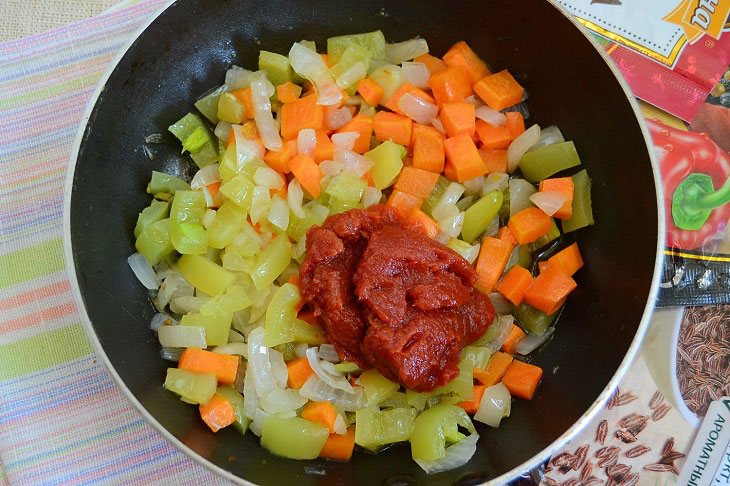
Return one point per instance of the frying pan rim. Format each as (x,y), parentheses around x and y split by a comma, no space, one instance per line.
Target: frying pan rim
(527,465)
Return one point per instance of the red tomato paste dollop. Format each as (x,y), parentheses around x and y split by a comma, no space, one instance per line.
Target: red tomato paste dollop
(391,298)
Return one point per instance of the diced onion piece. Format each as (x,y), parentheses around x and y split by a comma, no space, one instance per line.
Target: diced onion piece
(246,150)
(238,78)
(444,211)
(474,186)
(222,129)
(352,75)
(443,238)
(495,181)
(531,342)
(336,118)
(331,168)
(514,257)
(345,140)
(338,382)
(405,51)
(327,352)
(353,101)
(206,176)
(353,162)
(493,227)
(279,400)
(316,389)
(549,201)
(371,196)
(209,215)
(548,136)
(496,403)
(419,110)
(160,319)
(240,349)
(450,196)
(236,337)
(501,305)
(257,424)
(182,337)
(472,253)
(493,117)
(262,113)
(476,101)
(279,213)
(416,73)
(268,178)
(295,196)
(504,326)
(340,426)
(436,123)
(310,65)
(520,145)
(456,456)
(306,141)
(452,225)
(259,362)
(300,350)
(143,271)
(250,398)
(519,195)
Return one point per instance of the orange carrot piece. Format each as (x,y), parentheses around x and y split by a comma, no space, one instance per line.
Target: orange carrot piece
(464,161)
(429,130)
(563,185)
(325,149)
(491,136)
(217,413)
(225,366)
(471,406)
(288,92)
(493,256)
(213,189)
(393,126)
(307,172)
(449,85)
(434,64)
(499,90)
(461,55)
(416,182)
(392,103)
(458,118)
(549,290)
(320,412)
(279,161)
(370,91)
(294,279)
(568,260)
(515,334)
(498,364)
(515,124)
(494,160)
(428,150)
(505,234)
(244,97)
(421,222)
(363,125)
(307,88)
(521,379)
(326,59)
(298,371)
(513,284)
(529,224)
(541,266)
(300,114)
(339,447)
(404,203)
(308,316)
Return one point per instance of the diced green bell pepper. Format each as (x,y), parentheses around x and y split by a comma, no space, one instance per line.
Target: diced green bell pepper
(534,320)
(346,367)
(376,428)
(582,210)
(230,109)
(461,386)
(434,427)
(346,187)
(280,315)
(234,299)
(478,355)
(313,215)
(227,223)
(388,158)
(216,326)
(374,42)
(239,190)
(377,387)
(236,399)
(156,211)
(166,183)
(154,242)
(480,214)
(459,246)
(353,54)
(548,160)
(208,103)
(338,206)
(197,139)
(419,400)
(272,261)
(305,332)
(204,274)
(524,256)
(186,231)
(390,77)
(435,195)
(192,386)
(295,437)
(275,66)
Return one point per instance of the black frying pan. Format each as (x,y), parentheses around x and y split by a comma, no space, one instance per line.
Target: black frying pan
(187,50)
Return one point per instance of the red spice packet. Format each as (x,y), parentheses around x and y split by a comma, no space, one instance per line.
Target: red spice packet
(671,53)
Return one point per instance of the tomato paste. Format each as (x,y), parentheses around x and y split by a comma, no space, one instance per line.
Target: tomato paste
(391,298)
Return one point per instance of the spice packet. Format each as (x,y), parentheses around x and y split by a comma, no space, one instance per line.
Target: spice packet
(671,53)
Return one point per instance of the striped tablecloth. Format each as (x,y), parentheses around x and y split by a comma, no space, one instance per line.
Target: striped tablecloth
(62,420)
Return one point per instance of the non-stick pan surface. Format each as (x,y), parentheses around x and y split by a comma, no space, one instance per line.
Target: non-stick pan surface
(187,50)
